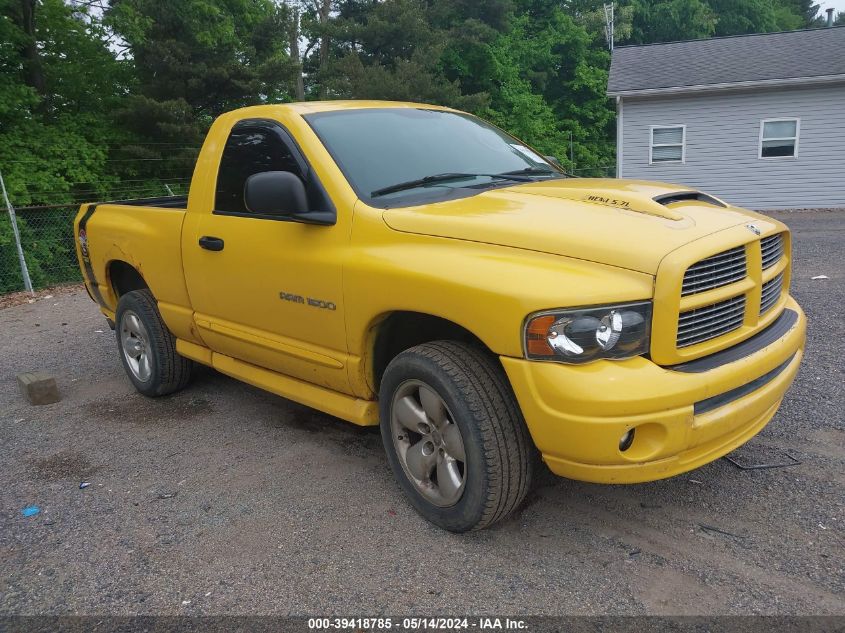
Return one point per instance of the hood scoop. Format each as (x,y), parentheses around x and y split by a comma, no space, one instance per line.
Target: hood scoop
(688,196)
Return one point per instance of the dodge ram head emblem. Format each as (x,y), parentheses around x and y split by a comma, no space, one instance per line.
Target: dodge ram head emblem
(753,228)
(83,243)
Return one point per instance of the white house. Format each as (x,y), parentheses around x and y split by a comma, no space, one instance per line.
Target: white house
(758,120)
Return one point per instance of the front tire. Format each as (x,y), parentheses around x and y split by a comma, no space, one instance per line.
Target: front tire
(454,435)
(147,348)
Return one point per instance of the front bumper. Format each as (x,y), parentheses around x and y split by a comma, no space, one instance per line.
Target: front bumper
(577,414)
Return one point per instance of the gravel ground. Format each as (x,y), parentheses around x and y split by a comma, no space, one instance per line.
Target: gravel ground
(18,298)
(225,499)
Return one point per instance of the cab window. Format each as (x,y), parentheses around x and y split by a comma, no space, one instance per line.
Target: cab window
(250,150)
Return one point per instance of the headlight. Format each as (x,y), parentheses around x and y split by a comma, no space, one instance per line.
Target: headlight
(585,334)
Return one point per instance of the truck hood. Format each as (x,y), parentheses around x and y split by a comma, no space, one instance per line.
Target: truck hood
(625,223)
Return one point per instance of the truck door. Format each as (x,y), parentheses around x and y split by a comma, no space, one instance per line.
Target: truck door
(266,290)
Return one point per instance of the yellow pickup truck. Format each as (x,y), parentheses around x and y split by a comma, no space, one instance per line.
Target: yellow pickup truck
(414,267)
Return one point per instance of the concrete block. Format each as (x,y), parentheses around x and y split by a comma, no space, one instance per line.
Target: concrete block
(39,387)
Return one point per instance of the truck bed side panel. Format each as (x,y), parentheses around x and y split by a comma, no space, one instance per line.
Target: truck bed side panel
(148,239)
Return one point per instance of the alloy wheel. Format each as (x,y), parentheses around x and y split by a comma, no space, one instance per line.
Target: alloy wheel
(428,442)
(134,341)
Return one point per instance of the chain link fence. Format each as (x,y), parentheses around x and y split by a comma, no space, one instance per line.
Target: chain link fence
(47,242)
(46,235)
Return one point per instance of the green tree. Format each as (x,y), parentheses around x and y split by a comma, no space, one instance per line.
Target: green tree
(671,21)
(549,86)
(195,59)
(739,17)
(393,50)
(55,129)
(806,10)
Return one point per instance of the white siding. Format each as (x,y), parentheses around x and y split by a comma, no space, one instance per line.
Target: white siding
(722,145)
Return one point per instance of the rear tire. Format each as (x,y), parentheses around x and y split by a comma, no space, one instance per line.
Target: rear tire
(434,393)
(147,348)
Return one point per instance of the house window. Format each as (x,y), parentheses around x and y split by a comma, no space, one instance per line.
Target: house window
(779,138)
(668,144)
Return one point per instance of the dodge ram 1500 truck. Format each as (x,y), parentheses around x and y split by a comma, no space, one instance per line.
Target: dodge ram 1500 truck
(414,267)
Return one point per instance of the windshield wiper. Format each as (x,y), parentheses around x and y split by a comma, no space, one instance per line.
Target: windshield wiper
(531,171)
(445,177)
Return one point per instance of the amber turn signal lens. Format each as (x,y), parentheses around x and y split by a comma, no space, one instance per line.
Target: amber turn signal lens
(537,334)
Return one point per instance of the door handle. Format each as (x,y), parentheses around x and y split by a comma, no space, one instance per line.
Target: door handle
(211,243)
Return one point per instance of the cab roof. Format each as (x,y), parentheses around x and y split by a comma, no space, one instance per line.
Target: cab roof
(309,107)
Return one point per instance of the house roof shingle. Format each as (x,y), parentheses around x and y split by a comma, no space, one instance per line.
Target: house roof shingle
(723,61)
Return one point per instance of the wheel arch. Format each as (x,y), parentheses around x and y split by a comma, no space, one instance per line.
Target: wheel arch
(123,277)
(394,332)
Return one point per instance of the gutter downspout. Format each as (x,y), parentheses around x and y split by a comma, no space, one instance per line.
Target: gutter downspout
(619,143)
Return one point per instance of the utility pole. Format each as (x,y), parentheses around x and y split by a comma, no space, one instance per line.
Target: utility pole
(609,24)
(27,282)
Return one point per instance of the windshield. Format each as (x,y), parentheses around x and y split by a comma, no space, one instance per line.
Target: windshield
(395,156)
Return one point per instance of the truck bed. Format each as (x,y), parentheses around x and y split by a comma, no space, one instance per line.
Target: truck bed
(145,234)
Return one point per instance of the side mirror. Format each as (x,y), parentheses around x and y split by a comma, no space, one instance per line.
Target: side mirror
(554,161)
(283,194)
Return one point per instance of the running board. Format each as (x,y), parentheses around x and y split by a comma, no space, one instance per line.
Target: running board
(349,408)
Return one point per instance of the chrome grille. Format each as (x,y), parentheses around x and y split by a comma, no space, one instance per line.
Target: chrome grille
(715,271)
(772,249)
(771,293)
(711,321)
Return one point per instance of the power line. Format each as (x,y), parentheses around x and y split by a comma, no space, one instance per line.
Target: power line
(119,182)
(78,197)
(106,160)
(44,207)
(105,192)
(126,148)
(119,186)
(128,144)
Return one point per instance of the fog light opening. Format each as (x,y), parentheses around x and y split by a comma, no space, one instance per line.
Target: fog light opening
(627,440)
